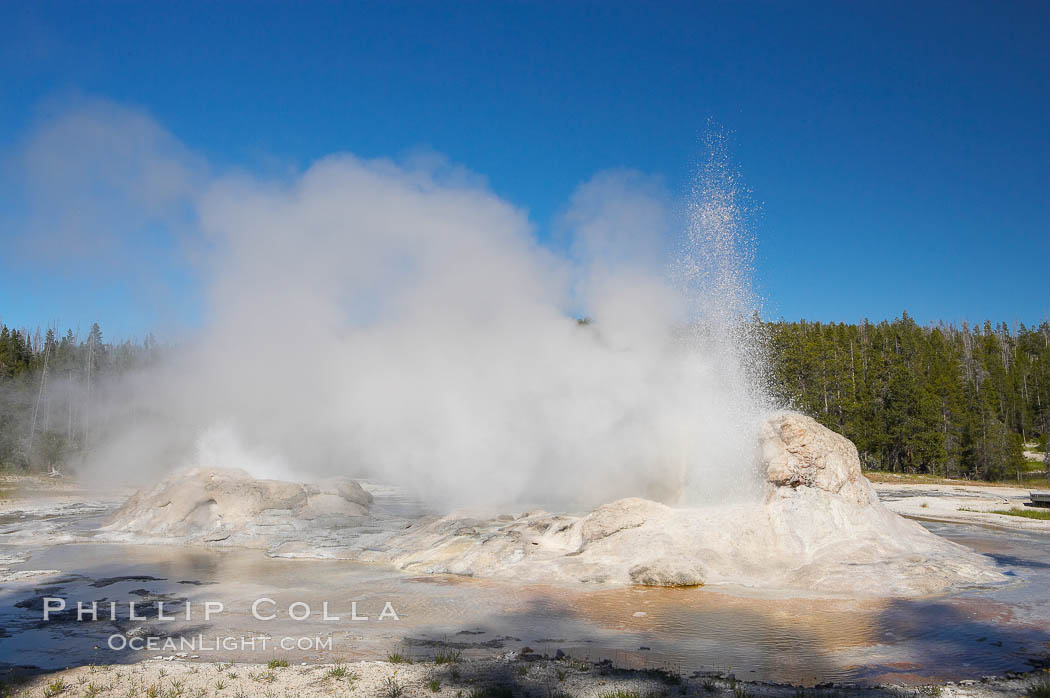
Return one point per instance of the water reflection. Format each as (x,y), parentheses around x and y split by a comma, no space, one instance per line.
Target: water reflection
(777,639)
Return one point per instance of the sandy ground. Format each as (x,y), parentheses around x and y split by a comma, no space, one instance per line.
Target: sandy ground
(171,677)
(34,493)
(959,503)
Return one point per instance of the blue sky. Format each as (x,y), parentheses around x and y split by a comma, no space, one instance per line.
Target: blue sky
(900,151)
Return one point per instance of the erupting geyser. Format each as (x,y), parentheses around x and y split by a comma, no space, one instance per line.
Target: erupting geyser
(819,529)
(403,323)
(425,338)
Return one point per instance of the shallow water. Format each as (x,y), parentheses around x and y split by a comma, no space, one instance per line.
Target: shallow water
(787,640)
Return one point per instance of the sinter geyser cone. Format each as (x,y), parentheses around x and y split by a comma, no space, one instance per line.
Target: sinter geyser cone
(819,529)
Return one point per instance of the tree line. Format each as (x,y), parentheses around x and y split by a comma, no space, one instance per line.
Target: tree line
(55,392)
(939,399)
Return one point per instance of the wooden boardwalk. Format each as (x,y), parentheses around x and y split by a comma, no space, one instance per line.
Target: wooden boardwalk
(1039,499)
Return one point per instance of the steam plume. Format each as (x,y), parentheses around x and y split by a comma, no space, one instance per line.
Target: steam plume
(399,320)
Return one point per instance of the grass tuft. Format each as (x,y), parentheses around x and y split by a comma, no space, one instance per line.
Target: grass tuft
(393,689)
(1040,689)
(54,688)
(492,692)
(448,656)
(1026,513)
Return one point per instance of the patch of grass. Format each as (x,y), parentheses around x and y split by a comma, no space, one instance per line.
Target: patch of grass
(882,476)
(268,677)
(398,658)
(500,691)
(434,685)
(1039,515)
(1040,689)
(620,693)
(54,688)
(277,663)
(667,676)
(393,689)
(337,672)
(577,664)
(448,656)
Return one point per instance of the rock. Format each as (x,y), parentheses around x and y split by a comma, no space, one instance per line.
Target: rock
(817,528)
(618,516)
(229,506)
(331,505)
(667,573)
(7,576)
(346,488)
(798,451)
(820,529)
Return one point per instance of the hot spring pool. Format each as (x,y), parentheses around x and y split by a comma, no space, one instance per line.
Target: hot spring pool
(802,641)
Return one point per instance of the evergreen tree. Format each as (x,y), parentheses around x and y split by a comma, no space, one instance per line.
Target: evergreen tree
(945,400)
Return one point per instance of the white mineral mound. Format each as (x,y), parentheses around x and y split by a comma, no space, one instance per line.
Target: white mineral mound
(821,529)
(230,506)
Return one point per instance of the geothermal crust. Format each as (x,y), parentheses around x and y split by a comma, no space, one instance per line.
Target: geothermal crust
(820,529)
(229,506)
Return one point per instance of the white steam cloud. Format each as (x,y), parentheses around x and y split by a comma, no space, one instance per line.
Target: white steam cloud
(401,321)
